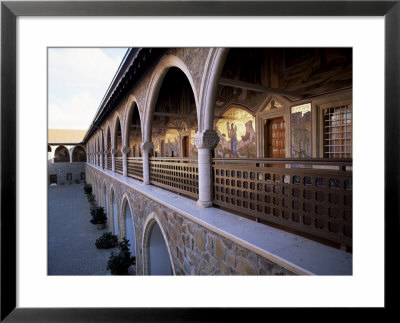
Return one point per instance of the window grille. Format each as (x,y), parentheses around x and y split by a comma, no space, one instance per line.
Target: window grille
(337,129)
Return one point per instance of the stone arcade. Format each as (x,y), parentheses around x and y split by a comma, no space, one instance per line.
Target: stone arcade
(228,161)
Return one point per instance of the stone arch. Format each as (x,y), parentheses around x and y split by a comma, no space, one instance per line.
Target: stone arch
(107,134)
(113,222)
(151,221)
(132,104)
(61,154)
(208,88)
(104,195)
(129,233)
(114,138)
(77,155)
(154,87)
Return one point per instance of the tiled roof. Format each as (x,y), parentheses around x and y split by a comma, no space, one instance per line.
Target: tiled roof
(65,136)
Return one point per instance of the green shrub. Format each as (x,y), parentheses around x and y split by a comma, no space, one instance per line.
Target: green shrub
(118,263)
(98,215)
(106,241)
(91,198)
(87,188)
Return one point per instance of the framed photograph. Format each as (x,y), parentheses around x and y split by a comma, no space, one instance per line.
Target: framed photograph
(29,28)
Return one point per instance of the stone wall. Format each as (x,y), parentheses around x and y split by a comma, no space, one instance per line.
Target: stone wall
(194,249)
(62,169)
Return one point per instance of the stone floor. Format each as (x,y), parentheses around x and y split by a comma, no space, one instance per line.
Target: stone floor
(71,237)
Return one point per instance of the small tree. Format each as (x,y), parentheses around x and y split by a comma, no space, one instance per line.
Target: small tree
(119,263)
(106,241)
(87,188)
(98,215)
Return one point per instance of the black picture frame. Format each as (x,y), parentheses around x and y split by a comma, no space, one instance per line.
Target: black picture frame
(10,10)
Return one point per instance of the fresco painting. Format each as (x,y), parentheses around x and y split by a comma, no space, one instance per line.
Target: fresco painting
(237,136)
(273,104)
(171,143)
(300,117)
(193,149)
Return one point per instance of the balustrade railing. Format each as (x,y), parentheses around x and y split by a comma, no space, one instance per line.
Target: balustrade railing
(177,174)
(135,167)
(118,165)
(313,196)
(109,163)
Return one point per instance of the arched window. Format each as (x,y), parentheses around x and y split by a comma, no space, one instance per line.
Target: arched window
(79,154)
(134,131)
(61,155)
(175,105)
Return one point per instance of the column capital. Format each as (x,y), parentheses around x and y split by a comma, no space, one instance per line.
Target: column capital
(126,150)
(147,147)
(206,139)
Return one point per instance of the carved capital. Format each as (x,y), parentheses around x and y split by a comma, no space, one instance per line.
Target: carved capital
(114,151)
(126,150)
(146,147)
(206,139)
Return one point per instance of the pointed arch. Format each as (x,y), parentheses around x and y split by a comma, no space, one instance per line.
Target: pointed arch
(131,108)
(208,88)
(127,221)
(118,135)
(113,222)
(151,221)
(154,87)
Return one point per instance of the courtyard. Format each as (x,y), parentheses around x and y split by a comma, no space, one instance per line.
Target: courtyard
(71,237)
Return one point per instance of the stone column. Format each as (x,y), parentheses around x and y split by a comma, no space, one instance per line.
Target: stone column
(105,160)
(125,151)
(113,153)
(101,159)
(146,148)
(205,141)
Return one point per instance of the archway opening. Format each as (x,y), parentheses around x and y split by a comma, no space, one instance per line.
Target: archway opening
(174,117)
(114,213)
(61,155)
(79,154)
(109,148)
(134,133)
(118,138)
(160,263)
(105,202)
(130,233)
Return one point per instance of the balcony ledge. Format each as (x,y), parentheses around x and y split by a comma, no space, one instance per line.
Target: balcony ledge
(297,254)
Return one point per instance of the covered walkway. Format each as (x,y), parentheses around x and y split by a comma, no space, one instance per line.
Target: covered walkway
(71,237)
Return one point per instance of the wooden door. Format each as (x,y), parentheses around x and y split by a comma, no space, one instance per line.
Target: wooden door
(275,138)
(53,179)
(186,146)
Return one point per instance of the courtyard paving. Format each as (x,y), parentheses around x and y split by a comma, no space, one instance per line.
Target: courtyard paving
(71,237)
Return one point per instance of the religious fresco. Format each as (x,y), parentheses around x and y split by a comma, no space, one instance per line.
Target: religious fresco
(171,143)
(135,139)
(193,149)
(300,125)
(167,145)
(273,104)
(236,132)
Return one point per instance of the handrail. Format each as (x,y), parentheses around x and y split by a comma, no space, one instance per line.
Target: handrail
(173,159)
(308,161)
